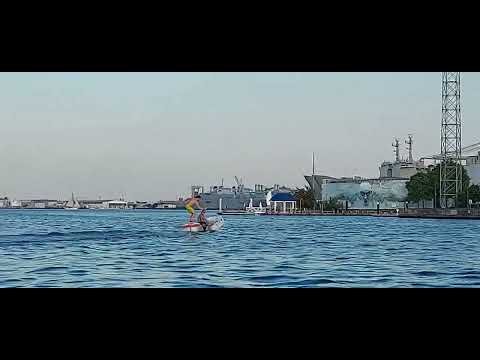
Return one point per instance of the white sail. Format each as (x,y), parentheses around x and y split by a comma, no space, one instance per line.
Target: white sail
(72,203)
(269,197)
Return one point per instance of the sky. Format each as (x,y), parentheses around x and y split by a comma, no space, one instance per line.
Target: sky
(150,136)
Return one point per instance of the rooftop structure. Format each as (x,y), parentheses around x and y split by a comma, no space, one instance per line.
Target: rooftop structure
(401,169)
(286,200)
(387,191)
(280,197)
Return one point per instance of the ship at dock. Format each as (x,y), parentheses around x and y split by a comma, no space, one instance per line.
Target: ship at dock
(238,197)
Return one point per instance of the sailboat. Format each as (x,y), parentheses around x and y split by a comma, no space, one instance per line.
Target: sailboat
(232,212)
(72,204)
(260,210)
(250,207)
(255,210)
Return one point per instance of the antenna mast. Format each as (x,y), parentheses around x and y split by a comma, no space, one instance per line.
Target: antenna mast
(313,181)
(410,148)
(451,140)
(396,145)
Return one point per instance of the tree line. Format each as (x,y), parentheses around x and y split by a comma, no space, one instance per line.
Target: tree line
(425,186)
(305,200)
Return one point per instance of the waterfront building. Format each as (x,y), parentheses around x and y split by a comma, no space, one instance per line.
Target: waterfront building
(236,197)
(316,182)
(400,169)
(117,204)
(38,204)
(283,202)
(388,191)
(4,202)
(164,204)
(94,204)
(473,168)
(15,204)
(367,193)
(140,205)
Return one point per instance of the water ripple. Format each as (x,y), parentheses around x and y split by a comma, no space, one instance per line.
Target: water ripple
(147,249)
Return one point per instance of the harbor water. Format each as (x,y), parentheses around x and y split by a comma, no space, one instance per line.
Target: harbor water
(146,248)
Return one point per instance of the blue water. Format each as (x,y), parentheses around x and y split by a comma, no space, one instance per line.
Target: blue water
(142,248)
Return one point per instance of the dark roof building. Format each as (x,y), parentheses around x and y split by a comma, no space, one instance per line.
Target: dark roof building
(283,197)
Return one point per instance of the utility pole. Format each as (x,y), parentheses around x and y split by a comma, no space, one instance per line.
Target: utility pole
(468,201)
(451,140)
(313,182)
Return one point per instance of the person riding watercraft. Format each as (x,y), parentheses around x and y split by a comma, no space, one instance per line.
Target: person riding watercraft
(202,219)
(190,203)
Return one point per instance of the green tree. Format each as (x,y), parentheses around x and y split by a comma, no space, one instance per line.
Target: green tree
(331,205)
(304,197)
(420,187)
(425,185)
(474,193)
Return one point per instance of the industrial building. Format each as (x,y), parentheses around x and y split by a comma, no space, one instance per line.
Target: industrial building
(4,202)
(388,191)
(117,204)
(166,204)
(473,168)
(40,204)
(94,204)
(236,197)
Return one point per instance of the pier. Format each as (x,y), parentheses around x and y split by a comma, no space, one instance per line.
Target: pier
(463,214)
(383,213)
(459,214)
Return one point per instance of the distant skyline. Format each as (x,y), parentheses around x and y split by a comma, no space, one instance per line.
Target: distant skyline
(150,136)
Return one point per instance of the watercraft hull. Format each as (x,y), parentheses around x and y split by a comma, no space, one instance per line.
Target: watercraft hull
(215,223)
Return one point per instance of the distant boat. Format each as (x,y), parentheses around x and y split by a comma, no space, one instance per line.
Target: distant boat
(16,204)
(255,210)
(72,204)
(235,212)
(231,212)
(260,210)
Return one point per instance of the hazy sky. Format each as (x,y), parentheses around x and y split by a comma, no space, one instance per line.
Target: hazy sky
(152,135)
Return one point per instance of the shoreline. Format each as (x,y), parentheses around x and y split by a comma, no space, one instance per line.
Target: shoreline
(401,215)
